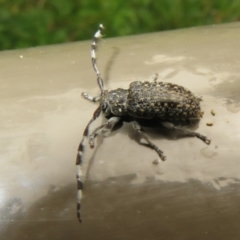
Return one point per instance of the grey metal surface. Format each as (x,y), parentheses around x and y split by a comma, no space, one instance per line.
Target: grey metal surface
(194,194)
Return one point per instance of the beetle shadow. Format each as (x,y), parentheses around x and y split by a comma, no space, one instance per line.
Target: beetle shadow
(109,65)
(99,142)
(156,131)
(153,129)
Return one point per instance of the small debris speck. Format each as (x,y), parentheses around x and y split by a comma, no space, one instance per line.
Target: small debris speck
(213,113)
(156,161)
(209,124)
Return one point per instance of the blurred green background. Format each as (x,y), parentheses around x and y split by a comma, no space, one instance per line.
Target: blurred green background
(39,22)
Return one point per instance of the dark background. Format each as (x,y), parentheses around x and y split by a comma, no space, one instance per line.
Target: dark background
(41,22)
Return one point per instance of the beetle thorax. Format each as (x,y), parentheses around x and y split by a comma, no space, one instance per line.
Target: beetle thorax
(114,102)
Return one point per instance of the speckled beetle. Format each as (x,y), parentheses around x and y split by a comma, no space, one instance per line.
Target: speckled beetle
(161,102)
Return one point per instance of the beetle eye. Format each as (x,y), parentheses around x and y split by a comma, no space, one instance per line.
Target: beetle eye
(104,106)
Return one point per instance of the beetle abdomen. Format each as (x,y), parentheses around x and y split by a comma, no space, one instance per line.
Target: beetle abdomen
(162,100)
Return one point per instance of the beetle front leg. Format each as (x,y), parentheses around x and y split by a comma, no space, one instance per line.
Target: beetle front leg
(90,98)
(106,128)
(139,129)
(186,132)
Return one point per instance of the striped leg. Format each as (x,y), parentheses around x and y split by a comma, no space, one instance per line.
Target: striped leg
(106,128)
(90,98)
(79,161)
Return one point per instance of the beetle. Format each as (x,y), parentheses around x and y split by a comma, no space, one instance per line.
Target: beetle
(144,101)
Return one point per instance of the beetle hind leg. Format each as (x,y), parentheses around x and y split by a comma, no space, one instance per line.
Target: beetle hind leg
(186,132)
(139,129)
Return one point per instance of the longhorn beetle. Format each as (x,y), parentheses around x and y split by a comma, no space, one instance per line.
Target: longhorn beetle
(161,102)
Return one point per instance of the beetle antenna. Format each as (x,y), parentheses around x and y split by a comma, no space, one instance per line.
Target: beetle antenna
(79,160)
(96,38)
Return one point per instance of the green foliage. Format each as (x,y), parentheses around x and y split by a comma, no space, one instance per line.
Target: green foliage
(40,22)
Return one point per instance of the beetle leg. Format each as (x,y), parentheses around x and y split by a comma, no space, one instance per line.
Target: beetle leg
(186,132)
(155,78)
(90,98)
(105,129)
(199,98)
(139,129)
